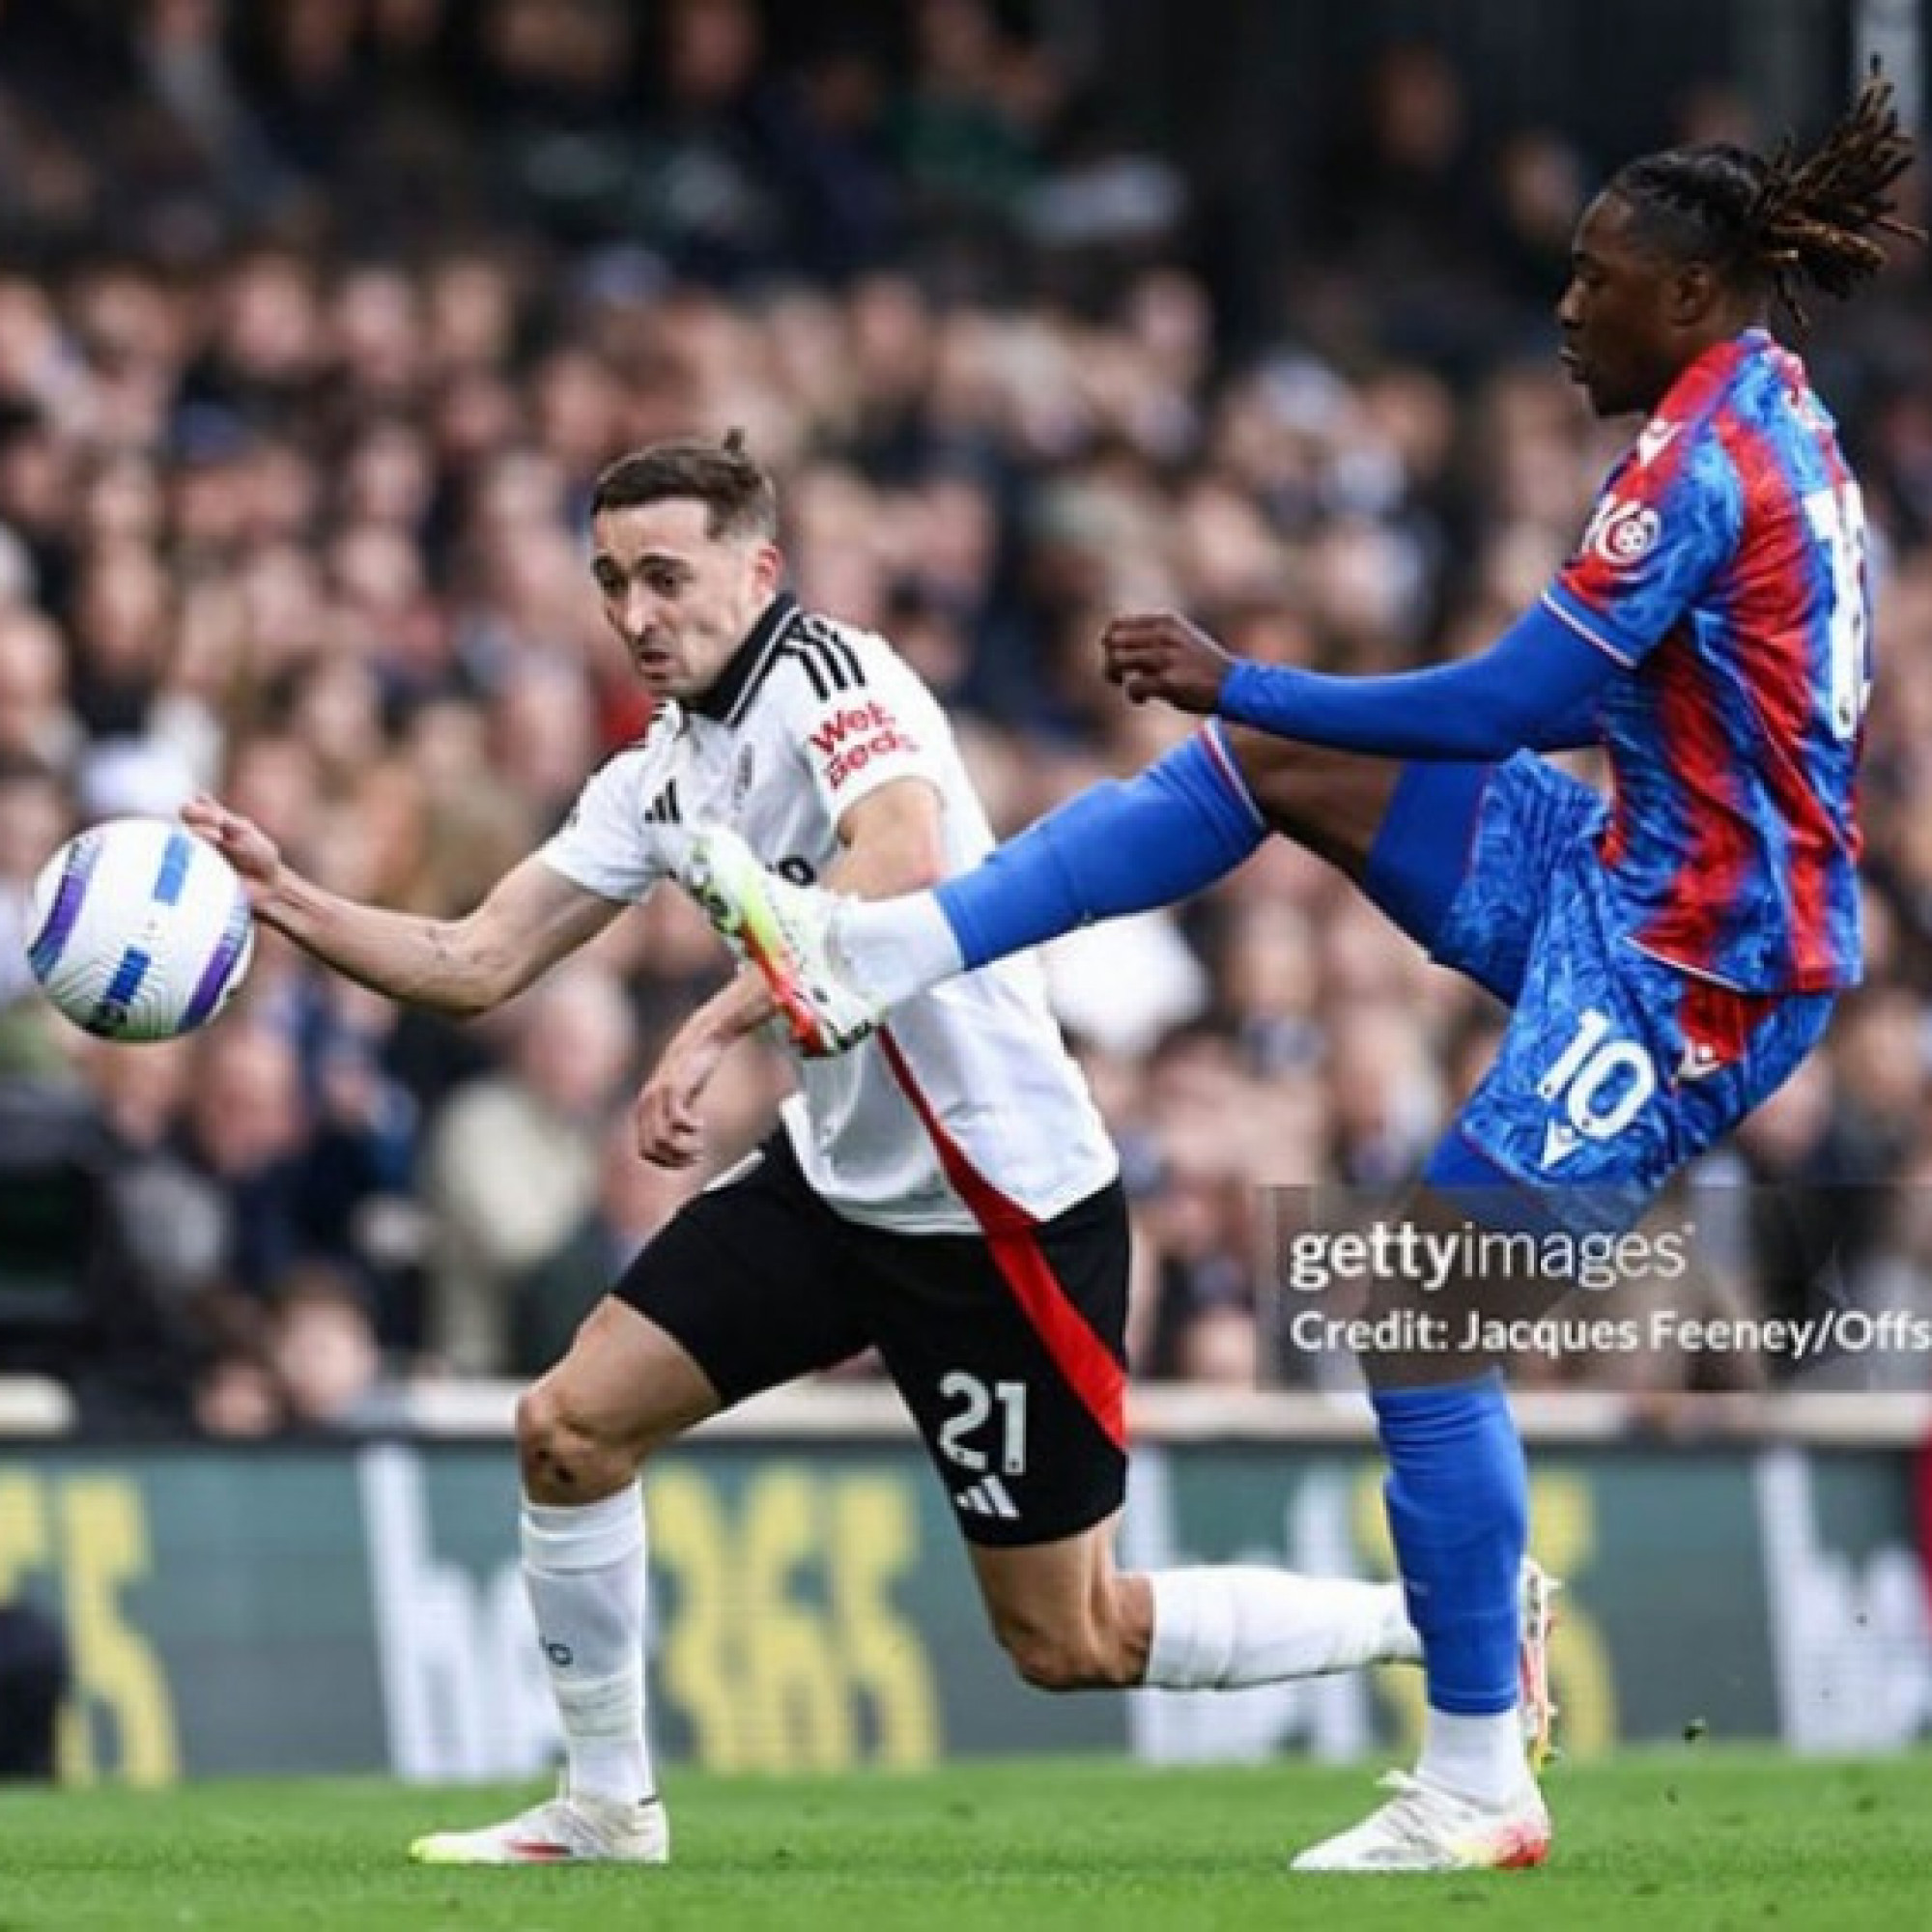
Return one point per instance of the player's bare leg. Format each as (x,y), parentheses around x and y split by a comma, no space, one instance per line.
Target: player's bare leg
(1072,1620)
(583,1431)
(1333,803)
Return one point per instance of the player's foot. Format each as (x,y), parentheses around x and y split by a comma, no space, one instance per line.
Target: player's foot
(561,1830)
(1427,1828)
(1537,1604)
(785,932)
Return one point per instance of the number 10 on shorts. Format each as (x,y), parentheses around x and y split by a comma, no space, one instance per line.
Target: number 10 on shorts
(1603,1082)
(976,1401)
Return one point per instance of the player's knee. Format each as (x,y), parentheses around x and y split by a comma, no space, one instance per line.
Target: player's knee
(561,1452)
(1332,802)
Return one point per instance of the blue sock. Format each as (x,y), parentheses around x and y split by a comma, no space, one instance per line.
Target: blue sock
(1457,1496)
(1114,848)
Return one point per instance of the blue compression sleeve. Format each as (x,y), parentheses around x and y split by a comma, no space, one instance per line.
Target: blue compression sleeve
(1535,688)
(1114,848)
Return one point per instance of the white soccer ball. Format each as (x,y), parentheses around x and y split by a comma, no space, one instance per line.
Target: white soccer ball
(139,930)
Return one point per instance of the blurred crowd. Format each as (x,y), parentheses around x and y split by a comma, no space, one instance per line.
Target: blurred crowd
(318,318)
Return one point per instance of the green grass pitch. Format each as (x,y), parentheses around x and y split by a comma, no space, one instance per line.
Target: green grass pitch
(1693,1837)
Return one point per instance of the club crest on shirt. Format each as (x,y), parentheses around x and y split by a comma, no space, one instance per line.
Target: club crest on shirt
(1622,533)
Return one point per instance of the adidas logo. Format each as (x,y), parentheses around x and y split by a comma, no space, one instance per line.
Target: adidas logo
(663,808)
(987,1498)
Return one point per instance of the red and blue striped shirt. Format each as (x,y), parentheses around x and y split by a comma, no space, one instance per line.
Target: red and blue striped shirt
(1724,569)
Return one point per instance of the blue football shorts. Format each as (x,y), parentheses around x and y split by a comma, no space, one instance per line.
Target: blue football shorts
(1615,1068)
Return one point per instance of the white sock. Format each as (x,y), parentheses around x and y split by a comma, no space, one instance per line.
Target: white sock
(1223,1626)
(584,1568)
(896,947)
(1481,1757)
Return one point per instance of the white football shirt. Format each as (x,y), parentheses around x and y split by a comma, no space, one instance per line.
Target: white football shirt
(966,1106)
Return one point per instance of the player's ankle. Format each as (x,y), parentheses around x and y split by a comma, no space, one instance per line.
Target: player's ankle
(1475,1756)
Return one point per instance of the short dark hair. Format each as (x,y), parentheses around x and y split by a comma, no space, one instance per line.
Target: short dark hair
(1785,221)
(737,494)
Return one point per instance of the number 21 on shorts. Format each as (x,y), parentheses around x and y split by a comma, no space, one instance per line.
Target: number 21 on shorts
(978,1402)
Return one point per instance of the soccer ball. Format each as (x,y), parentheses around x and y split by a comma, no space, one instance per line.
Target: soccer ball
(139,930)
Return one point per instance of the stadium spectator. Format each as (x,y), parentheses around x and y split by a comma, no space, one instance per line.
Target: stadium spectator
(551,1297)
(323,1353)
(34,819)
(511,1170)
(79,1300)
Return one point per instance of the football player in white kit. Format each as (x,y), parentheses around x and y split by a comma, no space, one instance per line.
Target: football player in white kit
(945,1194)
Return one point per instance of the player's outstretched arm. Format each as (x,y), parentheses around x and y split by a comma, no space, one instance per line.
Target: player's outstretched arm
(1535,688)
(530,920)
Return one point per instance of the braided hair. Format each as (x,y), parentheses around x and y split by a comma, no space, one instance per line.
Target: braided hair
(1790,220)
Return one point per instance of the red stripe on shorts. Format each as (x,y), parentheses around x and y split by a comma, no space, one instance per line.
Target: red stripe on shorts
(1013,1235)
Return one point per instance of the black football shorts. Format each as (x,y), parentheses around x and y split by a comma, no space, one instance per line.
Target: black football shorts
(1009,1347)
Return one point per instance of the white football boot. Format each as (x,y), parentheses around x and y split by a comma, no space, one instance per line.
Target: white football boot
(1427,1828)
(560,1831)
(786,933)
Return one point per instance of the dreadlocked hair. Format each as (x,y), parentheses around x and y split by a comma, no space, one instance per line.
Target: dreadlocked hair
(1791,220)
